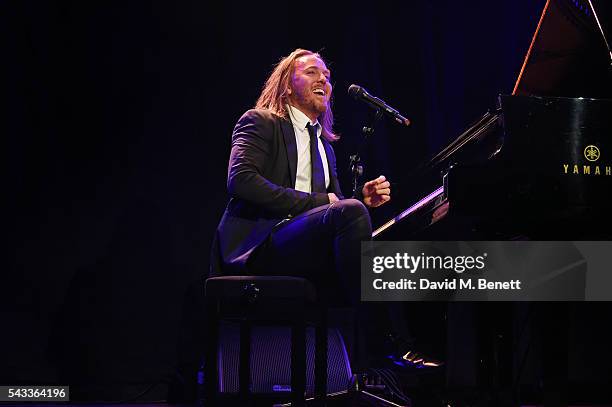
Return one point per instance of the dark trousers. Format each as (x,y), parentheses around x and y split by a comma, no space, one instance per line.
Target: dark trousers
(322,245)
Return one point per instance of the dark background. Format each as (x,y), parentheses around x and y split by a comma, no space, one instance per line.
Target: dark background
(117,128)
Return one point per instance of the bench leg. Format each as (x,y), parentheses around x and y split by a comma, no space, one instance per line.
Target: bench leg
(321,355)
(298,361)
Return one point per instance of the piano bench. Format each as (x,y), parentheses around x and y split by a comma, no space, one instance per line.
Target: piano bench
(269,300)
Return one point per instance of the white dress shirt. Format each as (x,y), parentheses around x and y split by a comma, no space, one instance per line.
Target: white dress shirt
(302,138)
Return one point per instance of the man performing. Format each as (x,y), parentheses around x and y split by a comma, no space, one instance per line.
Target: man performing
(287,214)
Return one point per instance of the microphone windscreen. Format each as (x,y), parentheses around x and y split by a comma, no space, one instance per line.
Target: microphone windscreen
(354,91)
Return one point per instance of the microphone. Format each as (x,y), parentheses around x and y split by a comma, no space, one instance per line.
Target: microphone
(359,93)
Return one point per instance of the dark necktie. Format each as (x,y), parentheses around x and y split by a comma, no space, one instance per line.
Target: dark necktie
(317,179)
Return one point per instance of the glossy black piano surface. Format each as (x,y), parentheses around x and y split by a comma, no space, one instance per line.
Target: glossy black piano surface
(539,166)
(544,171)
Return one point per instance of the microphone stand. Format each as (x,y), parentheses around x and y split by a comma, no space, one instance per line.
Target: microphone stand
(355,159)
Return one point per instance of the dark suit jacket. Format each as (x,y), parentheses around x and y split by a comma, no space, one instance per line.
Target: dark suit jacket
(260,182)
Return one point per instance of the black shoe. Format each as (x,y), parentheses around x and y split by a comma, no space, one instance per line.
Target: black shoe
(403,354)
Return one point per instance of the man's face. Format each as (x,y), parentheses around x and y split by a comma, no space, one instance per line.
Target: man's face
(310,88)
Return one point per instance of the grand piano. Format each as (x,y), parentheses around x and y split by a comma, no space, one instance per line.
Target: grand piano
(539,165)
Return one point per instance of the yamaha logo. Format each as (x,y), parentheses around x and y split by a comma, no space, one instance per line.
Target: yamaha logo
(591,153)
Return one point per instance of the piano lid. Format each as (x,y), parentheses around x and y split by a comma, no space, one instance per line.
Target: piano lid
(569,55)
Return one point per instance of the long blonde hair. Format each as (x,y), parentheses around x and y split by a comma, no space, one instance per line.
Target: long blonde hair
(274,95)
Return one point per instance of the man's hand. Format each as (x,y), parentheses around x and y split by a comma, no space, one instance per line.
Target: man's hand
(332,197)
(376,192)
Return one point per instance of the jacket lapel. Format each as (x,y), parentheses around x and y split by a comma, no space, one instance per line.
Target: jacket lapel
(289,135)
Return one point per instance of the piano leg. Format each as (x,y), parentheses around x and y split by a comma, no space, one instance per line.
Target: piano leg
(495,334)
(554,320)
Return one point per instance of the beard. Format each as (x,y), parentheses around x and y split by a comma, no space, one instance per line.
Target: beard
(321,105)
(311,102)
